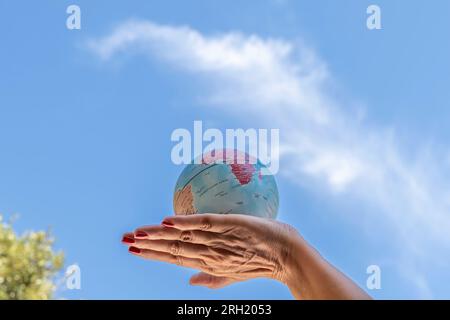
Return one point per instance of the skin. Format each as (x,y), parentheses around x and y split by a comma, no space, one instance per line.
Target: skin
(231,248)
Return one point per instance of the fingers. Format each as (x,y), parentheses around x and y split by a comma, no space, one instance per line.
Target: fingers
(128,238)
(175,248)
(179,246)
(207,222)
(159,232)
(226,248)
(210,281)
(167,257)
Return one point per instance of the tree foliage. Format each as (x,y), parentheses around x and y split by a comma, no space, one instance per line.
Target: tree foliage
(28,264)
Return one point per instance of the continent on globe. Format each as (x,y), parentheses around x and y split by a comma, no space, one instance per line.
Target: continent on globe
(243,172)
(184,201)
(226,181)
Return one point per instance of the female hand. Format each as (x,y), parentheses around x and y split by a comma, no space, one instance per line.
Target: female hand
(225,248)
(230,248)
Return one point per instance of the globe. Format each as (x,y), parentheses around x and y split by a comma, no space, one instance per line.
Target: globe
(226,182)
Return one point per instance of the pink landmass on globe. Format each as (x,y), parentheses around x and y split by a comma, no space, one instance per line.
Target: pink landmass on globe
(242,164)
(183,201)
(243,172)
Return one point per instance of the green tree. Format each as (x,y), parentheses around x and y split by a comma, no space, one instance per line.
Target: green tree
(28,264)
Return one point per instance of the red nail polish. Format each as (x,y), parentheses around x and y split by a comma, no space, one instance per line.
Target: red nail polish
(167,224)
(140,234)
(128,240)
(134,250)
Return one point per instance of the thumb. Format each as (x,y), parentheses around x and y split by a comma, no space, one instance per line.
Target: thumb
(210,281)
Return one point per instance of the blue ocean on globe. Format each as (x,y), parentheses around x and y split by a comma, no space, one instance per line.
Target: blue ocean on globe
(222,184)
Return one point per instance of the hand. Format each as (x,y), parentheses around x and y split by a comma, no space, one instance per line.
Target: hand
(230,248)
(225,248)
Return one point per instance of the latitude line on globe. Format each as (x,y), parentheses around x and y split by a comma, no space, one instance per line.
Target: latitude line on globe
(193,177)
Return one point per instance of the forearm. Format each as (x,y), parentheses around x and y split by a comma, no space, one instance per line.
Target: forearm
(309,276)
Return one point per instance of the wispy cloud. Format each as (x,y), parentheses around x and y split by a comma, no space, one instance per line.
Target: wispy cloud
(284,84)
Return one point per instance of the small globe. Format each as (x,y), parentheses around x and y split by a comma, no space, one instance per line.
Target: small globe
(226,182)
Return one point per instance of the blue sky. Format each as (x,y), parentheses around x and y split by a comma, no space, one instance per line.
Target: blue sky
(85,126)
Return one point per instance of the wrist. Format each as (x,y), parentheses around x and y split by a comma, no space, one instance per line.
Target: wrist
(293,266)
(300,259)
(309,276)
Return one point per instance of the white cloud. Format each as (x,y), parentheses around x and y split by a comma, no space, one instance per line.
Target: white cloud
(284,85)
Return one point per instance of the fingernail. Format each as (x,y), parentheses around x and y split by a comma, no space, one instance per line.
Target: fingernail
(167,224)
(140,234)
(128,240)
(134,250)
